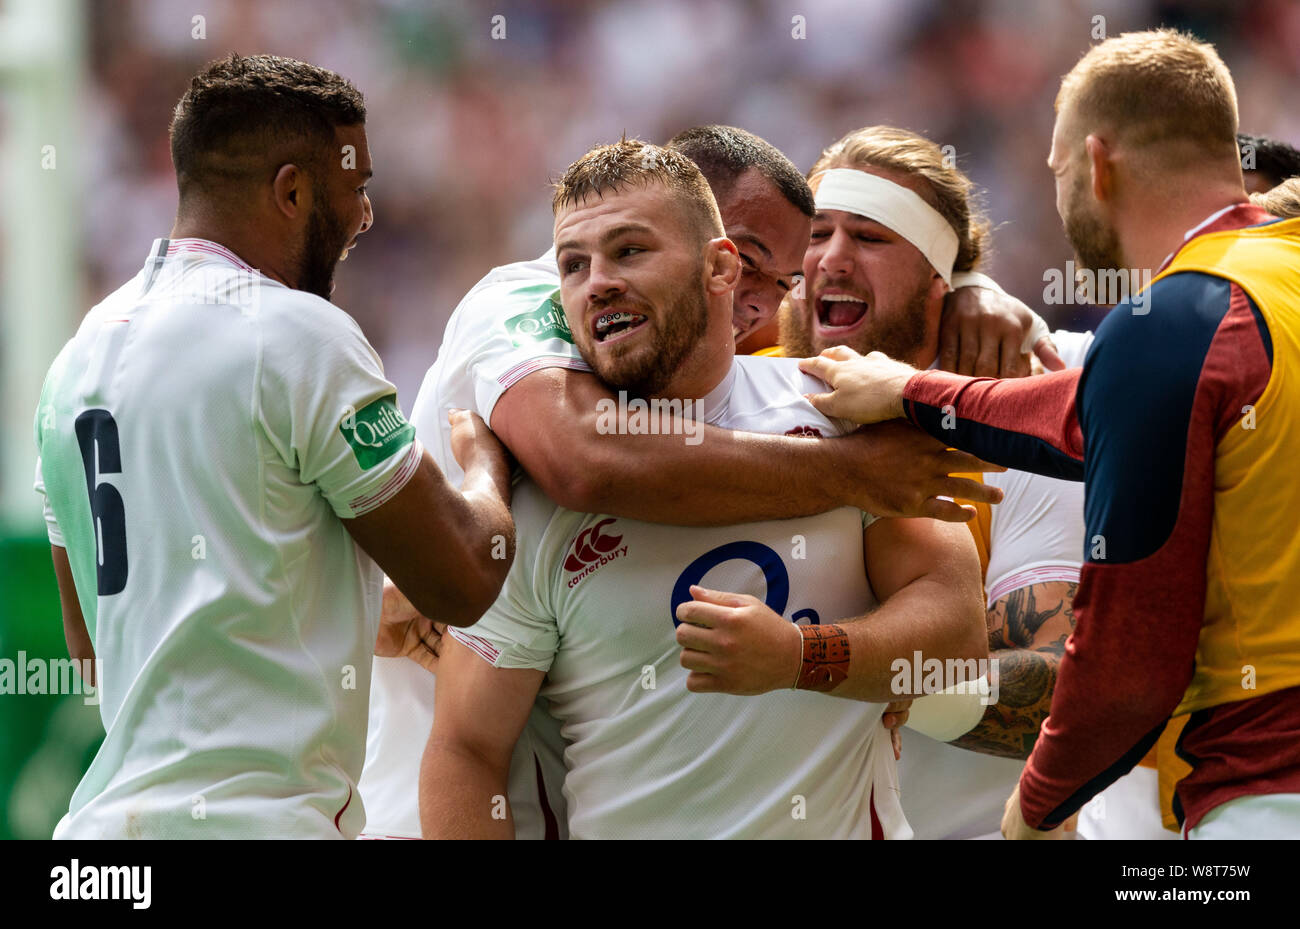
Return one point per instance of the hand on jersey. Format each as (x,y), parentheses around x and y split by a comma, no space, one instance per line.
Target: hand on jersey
(895,469)
(982,332)
(1015,827)
(735,644)
(405,633)
(864,389)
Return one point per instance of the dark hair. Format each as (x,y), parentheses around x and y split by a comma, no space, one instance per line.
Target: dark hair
(242,118)
(628,162)
(1274,158)
(724,153)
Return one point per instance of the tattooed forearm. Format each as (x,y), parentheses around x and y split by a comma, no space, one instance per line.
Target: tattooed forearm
(1015,620)
(1027,633)
(1025,681)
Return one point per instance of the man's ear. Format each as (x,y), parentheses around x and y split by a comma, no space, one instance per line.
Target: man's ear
(1102,166)
(939,288)
(290,191)
(724,267)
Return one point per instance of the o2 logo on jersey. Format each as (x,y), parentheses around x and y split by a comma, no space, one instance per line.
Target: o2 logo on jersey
(773,568)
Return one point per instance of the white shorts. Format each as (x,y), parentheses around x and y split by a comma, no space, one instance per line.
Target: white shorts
(1127,809)
(1259,816)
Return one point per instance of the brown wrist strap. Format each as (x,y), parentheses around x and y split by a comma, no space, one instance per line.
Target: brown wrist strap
(825,658)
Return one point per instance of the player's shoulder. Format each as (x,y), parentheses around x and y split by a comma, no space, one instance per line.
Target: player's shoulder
(770,396)
(543,267)
(303,329)
(1161,333)
(1179,304)
(496,300)
(298,309)
(507,287)
(519,300)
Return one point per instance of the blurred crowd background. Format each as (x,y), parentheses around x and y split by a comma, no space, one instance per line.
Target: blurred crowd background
(468,130)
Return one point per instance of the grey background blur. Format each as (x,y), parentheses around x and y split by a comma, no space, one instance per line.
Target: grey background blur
(466,131)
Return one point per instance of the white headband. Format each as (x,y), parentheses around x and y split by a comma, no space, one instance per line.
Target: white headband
(894,206)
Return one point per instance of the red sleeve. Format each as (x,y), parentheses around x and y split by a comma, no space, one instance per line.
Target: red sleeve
(1025,423)
(1157,393)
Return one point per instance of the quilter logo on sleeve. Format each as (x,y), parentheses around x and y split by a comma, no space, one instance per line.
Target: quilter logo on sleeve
(592,549)
(376,431)
(545,322)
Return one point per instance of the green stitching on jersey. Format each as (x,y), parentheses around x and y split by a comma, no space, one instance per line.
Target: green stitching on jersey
(376,431)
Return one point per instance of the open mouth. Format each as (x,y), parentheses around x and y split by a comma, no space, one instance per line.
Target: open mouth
(840,311)
(614,325)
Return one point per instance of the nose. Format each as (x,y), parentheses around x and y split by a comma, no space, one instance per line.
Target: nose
(367,215)
(766,300)
(836,259)
(603,281)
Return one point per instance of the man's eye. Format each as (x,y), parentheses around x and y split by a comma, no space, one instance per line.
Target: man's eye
(750,264)
(817,234)
(573,267)
(630,250)
(361,189)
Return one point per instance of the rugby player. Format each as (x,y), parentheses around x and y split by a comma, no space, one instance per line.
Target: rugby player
(870,286)
(1030,544)
(226,472)
(1182,427)
(587,619)
(508,354)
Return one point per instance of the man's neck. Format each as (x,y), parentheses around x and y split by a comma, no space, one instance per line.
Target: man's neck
(1156,229)
(246,247)
(705,368)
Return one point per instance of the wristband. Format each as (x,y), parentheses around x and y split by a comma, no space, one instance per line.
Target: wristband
(825,660)
(962,279)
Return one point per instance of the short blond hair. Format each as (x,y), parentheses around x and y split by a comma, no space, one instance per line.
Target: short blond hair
(947,189)
(630,162)
(1155,87)
(1282,201)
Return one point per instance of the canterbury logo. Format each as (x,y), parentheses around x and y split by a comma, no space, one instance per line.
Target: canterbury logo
(590,546)
(805,430)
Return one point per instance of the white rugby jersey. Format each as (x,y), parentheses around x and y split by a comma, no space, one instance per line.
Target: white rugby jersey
(202,436)
(1036,536)
(591,600)
(510,324)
